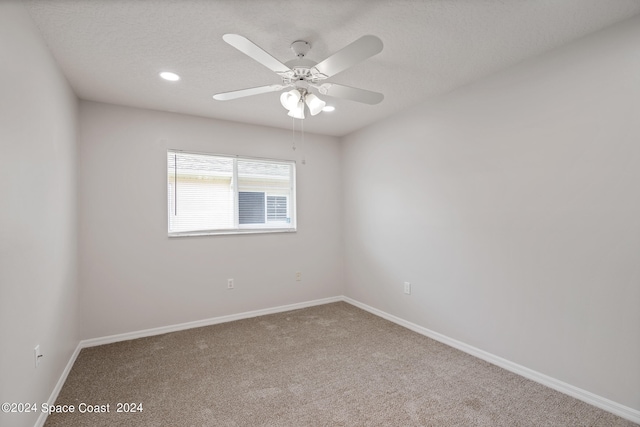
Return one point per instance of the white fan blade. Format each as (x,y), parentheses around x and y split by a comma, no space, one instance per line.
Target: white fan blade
(252,50)
(247,92)
(352,93)
(357,51)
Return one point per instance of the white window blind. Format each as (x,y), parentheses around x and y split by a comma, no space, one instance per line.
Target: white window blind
(212,194)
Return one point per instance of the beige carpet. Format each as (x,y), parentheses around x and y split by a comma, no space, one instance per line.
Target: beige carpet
(330,365)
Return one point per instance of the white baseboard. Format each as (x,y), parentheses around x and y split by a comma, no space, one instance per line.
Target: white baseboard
(584,395)
(56,390)
(206,322)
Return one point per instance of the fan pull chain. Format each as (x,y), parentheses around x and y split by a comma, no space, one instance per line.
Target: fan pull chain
(304,161)
(293,134)
(293,137)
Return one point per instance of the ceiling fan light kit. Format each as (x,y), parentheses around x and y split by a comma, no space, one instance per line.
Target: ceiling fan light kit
(295,100)
(303,75)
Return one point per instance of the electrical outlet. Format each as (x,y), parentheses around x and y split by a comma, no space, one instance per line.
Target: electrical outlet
(298,276)
(407,288)
(37,355)
(230,284)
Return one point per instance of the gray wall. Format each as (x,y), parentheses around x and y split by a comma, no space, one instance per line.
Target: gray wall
(513,207)
(134,277)
(38,279)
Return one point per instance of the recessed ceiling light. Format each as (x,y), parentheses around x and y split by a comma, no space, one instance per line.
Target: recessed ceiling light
(328,109)
(172,77)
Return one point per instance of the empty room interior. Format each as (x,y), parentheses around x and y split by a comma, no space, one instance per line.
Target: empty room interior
(327,213)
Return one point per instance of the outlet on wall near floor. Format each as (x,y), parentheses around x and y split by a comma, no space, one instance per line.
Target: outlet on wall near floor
(407,288)
(230,284)
(298,276)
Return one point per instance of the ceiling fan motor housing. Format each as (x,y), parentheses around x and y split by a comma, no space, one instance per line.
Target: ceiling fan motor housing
(301,67)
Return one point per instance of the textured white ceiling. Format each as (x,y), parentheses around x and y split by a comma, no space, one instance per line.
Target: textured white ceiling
(113,50)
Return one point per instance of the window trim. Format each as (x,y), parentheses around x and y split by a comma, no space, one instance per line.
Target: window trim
(246,229)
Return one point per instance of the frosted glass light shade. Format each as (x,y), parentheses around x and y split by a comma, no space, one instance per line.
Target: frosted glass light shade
(314,103)
(290,100)
(298,111)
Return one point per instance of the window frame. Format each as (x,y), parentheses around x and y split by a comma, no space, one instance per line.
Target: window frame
(238,228)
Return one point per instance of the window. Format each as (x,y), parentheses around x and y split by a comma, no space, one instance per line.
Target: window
(210,194)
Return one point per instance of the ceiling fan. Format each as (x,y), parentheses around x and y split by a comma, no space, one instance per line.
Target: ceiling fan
(303,75)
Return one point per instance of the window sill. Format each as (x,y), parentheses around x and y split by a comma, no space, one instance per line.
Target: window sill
(231,232)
